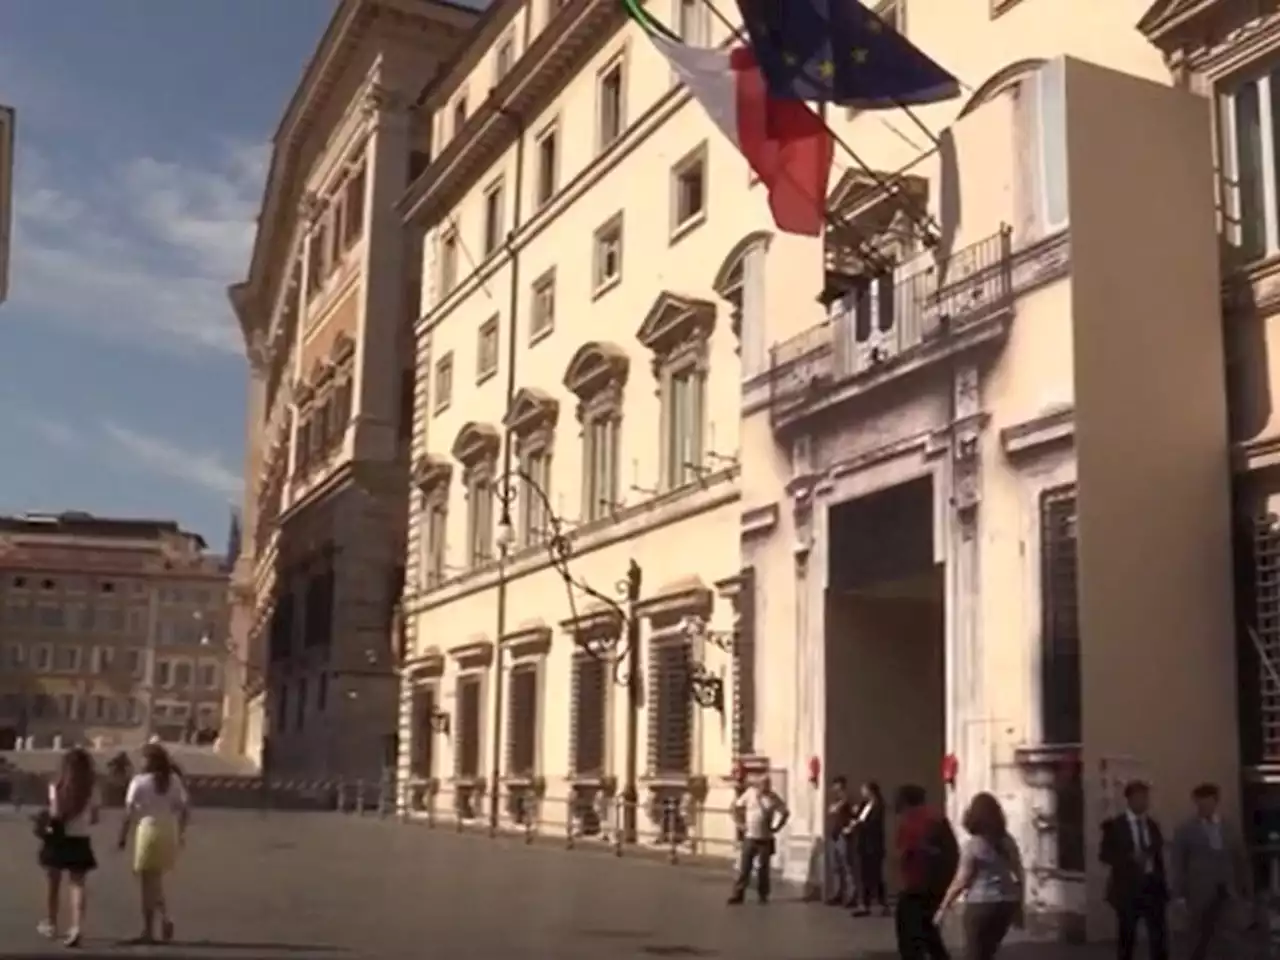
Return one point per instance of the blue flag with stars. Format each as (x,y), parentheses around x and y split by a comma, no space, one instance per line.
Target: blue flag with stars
(838,51)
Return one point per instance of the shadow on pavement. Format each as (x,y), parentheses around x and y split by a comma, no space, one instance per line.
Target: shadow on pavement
(249,945)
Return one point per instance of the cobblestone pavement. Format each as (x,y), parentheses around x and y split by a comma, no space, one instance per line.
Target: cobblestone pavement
(328,886)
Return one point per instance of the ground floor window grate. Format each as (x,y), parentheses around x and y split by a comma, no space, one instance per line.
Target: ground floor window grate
(467,760)
(590,691)
(522,720)
(422,761)
(1259,660)
(671,708)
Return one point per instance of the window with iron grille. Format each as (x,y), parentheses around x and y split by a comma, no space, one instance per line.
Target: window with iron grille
(1060,679)
(1258,590)
(671,709)
(522,721)
(590,689)
(468,755)
(319,605)
(422,758)
(280,636)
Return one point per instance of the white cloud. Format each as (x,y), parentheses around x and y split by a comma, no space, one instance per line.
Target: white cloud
(143,250)
(196,468)
(53,432)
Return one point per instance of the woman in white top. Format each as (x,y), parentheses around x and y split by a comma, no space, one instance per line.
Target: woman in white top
(157,803)
(66,847)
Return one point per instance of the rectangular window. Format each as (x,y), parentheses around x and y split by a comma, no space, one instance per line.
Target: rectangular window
(1061,682)
(692,23)
(459,114)
(611,104)
(688,189)
(479,520)
(682,427)
(43,661)
(67,706)
(487,350)
(444,382)
(136,662)
(600,466)
(468,753)
(300,706)
(536,484)
(607,255)
(353,205)
(315,263)
(448,261)
(15,656)
(543,309)
(493,217)
(103,659)
(522,720)
(422,759)
(671,715)
(436,527)
(182,674)
(164,673)
(282,709)
(590,699)
(548,179)
(1249,136)
(504,58)
(68,659)
(209,678)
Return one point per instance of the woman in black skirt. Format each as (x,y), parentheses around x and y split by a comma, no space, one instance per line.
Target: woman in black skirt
(66,847)
(869,837)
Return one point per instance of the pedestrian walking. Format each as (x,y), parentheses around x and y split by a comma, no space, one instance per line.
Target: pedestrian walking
(990,878)
(928,856)
(1137,889)
(66,849)
(157,807)
(762,814)
(840,845)
(869,850)
(1209,873)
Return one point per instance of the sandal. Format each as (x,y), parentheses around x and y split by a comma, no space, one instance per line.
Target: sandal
(47,929)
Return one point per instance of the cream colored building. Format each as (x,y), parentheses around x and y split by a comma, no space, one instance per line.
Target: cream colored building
(966,522)
(326,311)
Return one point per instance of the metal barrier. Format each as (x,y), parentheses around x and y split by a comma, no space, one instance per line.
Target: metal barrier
(676,827)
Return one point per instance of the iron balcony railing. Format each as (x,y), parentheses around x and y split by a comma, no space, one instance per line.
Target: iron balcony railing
(887,319)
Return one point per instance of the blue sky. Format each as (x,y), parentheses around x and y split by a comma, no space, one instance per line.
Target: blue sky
(142,138)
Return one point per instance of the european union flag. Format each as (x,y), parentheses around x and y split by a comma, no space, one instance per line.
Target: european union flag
(838,51)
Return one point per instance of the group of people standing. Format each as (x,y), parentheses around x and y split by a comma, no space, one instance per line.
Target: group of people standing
(156,812)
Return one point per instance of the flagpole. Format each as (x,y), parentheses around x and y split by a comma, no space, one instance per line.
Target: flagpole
(919,215)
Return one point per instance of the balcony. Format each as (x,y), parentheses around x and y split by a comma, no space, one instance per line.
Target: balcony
(887,328)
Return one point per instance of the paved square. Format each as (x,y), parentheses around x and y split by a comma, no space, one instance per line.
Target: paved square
(327,886)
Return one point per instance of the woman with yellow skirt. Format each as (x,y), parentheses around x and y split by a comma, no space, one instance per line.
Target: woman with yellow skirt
(157,804)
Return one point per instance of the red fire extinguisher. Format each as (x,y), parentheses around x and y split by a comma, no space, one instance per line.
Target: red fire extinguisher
(950,770)
(815,771)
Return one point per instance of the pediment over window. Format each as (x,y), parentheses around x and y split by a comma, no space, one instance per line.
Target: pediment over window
(686,596)
(594,367)
(729,277)
(476,443)
(1164,17)
(344,347)
(430,473)
(674,321)
(868,203)
(531,409)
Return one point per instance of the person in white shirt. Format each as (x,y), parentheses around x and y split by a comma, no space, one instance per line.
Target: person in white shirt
(66,848)
(157,803)
(761,814)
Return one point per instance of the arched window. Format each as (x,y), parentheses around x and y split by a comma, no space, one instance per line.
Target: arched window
(740,282)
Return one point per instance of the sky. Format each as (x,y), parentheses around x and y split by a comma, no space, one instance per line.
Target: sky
(143,131)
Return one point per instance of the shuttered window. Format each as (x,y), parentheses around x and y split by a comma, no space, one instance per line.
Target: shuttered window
(590,688)
(671,710)
(522,720)
(422,763)
(468,754)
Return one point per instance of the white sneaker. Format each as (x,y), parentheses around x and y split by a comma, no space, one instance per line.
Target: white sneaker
(46,929)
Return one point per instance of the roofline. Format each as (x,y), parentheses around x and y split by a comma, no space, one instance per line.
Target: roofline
(497,10)
(282,143)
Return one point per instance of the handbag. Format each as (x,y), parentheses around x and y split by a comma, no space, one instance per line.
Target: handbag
(46,826)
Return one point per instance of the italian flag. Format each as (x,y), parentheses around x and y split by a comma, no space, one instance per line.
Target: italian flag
(785,143)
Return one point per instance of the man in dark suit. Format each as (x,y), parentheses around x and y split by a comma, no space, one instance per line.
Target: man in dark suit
(1133,847)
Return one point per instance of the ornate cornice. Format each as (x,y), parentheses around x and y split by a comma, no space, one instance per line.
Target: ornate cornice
(594,367)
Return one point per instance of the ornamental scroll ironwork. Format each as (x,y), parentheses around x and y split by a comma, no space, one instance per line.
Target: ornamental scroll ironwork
(612,649)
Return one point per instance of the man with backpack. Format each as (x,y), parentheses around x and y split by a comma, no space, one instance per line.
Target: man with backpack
(928,855)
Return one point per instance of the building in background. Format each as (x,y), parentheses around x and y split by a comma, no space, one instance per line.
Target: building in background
(111,631)
(326,312)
